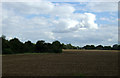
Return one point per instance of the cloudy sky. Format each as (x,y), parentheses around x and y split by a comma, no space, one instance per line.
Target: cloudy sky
(78,23)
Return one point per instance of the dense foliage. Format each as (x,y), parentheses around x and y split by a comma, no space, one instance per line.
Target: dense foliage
(15,46)
(100,47)
(92,47)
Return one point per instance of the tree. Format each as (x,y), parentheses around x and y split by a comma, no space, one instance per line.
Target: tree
(79,47)
(29,47)
(63,46)
(57,47)
(92,47)
(16,46)
(48,47)
(0,45)
(115,47)
(69,46)
(40,47)
(107,48)
(99,47)
(5,46)
(118,47)
(89,47)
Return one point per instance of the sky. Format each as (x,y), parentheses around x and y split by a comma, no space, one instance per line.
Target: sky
(78,23)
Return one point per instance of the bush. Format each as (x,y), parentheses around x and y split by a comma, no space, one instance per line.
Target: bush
(7,51)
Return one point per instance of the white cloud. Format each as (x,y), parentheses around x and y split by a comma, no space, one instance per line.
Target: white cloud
(110,19)
(60,0)
(62,10)
(71,27)
(16,24)
(105,35)
(103,6)
(68,21)
(109,40)
(85,0)
(50,35)
(91,20)
(65,25)
(41,7)
(104,19)
(86,20)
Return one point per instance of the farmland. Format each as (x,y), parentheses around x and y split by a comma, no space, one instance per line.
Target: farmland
(68,63)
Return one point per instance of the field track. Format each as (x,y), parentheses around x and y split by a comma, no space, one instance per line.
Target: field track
(68,63)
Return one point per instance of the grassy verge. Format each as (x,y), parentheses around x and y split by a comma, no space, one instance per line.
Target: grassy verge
(28,53)
(65,50)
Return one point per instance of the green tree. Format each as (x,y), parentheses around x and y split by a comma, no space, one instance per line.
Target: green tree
(115,47)
(63,46)
(107,48)
(40,46)
(89,47)
(57,47)
(118,47)
(5,46)
(99,47)
(17,46)
(29,47)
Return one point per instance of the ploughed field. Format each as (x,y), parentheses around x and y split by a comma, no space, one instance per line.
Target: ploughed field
(68,63)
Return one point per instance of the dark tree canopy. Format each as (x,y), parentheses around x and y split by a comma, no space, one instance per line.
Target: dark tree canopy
(6,49)
(15,46)
(116,46)
(40,46)
(29,46)
(57,47)
(99,47)
(89,47)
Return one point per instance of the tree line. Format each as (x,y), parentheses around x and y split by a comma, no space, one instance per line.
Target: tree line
(92,47)
(15,46)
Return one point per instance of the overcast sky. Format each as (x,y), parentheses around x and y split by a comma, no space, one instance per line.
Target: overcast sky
(78,23)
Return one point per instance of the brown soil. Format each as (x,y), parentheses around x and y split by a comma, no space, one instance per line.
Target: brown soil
(68,63)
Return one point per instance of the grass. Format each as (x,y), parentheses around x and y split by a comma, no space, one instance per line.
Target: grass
(65,50)
(73,50)
(28,53)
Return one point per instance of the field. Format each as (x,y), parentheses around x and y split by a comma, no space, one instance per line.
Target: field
(68,63)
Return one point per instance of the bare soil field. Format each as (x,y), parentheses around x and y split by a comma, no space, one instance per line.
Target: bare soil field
(68,63)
